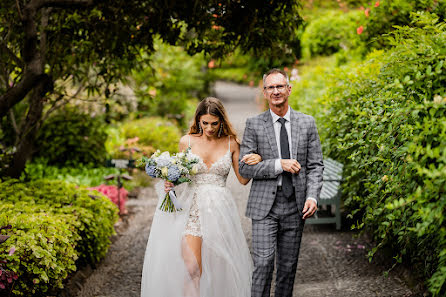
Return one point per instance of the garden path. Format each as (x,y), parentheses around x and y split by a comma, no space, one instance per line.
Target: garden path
(331,263)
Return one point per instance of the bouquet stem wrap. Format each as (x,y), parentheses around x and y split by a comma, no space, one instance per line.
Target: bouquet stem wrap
(171,203)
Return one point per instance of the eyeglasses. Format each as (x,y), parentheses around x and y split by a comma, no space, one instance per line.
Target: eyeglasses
(279,88)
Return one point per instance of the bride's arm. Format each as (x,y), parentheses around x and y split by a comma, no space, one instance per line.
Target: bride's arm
(250,159)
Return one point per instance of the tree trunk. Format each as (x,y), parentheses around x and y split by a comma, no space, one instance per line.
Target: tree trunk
(25,145)
(31,124)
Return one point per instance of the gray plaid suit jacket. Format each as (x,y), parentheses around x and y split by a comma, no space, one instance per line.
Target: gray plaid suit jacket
(259,138)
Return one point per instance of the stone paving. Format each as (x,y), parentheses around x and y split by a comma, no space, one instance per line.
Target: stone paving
(331,263)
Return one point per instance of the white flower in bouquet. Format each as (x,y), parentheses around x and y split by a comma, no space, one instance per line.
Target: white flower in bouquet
(194,169)
(164,171)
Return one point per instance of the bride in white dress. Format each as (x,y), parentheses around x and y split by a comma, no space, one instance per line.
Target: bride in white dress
(201,251)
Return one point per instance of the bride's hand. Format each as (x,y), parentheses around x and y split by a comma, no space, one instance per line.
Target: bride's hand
(251,159)
(168,186)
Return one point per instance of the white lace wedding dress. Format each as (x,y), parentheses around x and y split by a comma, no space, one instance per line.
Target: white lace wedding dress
(209,211)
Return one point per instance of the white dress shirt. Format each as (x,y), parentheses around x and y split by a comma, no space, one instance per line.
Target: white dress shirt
(277,126)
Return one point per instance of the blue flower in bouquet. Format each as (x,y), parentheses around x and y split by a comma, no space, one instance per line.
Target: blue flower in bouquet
(173,173)
(163,160)
(150,170)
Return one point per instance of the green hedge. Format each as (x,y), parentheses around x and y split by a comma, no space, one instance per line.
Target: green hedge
(386,121)
(55,227)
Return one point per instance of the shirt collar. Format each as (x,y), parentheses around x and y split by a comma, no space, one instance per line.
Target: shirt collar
(276,117)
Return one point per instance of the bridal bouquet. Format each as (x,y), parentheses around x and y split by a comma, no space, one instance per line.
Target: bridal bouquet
(176,169)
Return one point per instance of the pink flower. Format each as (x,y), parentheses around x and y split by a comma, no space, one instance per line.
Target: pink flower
(359,30)
(12,251)
(366,12)
(111,192)
(376,3)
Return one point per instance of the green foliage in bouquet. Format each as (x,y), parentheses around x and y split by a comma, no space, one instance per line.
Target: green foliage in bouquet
(55,227)
(332,32)
(70,137)
(386,121)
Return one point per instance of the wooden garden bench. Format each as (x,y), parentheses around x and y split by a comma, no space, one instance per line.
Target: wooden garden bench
(330,194)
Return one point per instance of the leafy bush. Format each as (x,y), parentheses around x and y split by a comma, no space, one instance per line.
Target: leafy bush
(70,138)
(147,134)
(81,175)
(330,33)
(55,226)
(386,122)
(384,15)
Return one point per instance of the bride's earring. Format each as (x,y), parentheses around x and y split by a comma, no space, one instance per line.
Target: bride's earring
(199,129)
(221,130)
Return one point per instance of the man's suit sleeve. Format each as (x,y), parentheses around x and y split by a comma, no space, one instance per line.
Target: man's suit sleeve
(315,165)
(262,170)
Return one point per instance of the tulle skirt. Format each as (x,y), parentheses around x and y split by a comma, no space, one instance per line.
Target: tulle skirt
(226,261)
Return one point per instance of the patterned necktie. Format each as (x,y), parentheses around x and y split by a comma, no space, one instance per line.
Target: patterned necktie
(287,184)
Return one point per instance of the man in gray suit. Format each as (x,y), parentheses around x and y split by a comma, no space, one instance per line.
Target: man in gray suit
(286,184)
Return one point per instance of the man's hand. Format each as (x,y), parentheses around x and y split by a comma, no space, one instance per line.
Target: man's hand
(310,208)
(290,165)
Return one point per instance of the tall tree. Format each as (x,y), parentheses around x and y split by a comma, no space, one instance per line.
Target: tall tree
(42,41)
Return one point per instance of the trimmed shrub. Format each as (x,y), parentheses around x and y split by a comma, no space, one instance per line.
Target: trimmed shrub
(70,137)
(386,122)
(55,226)
(332,32)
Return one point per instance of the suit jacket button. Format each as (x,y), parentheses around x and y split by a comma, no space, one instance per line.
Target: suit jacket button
(264,176)
(274,193)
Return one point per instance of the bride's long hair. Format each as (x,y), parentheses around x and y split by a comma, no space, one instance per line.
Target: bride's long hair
(212,106)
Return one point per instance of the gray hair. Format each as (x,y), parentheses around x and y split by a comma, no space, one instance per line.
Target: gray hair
(276,70)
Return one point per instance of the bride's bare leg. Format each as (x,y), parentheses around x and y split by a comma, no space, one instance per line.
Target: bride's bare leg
(194,245)
(191,251)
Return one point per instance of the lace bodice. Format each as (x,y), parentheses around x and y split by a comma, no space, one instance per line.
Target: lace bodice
(216,174)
